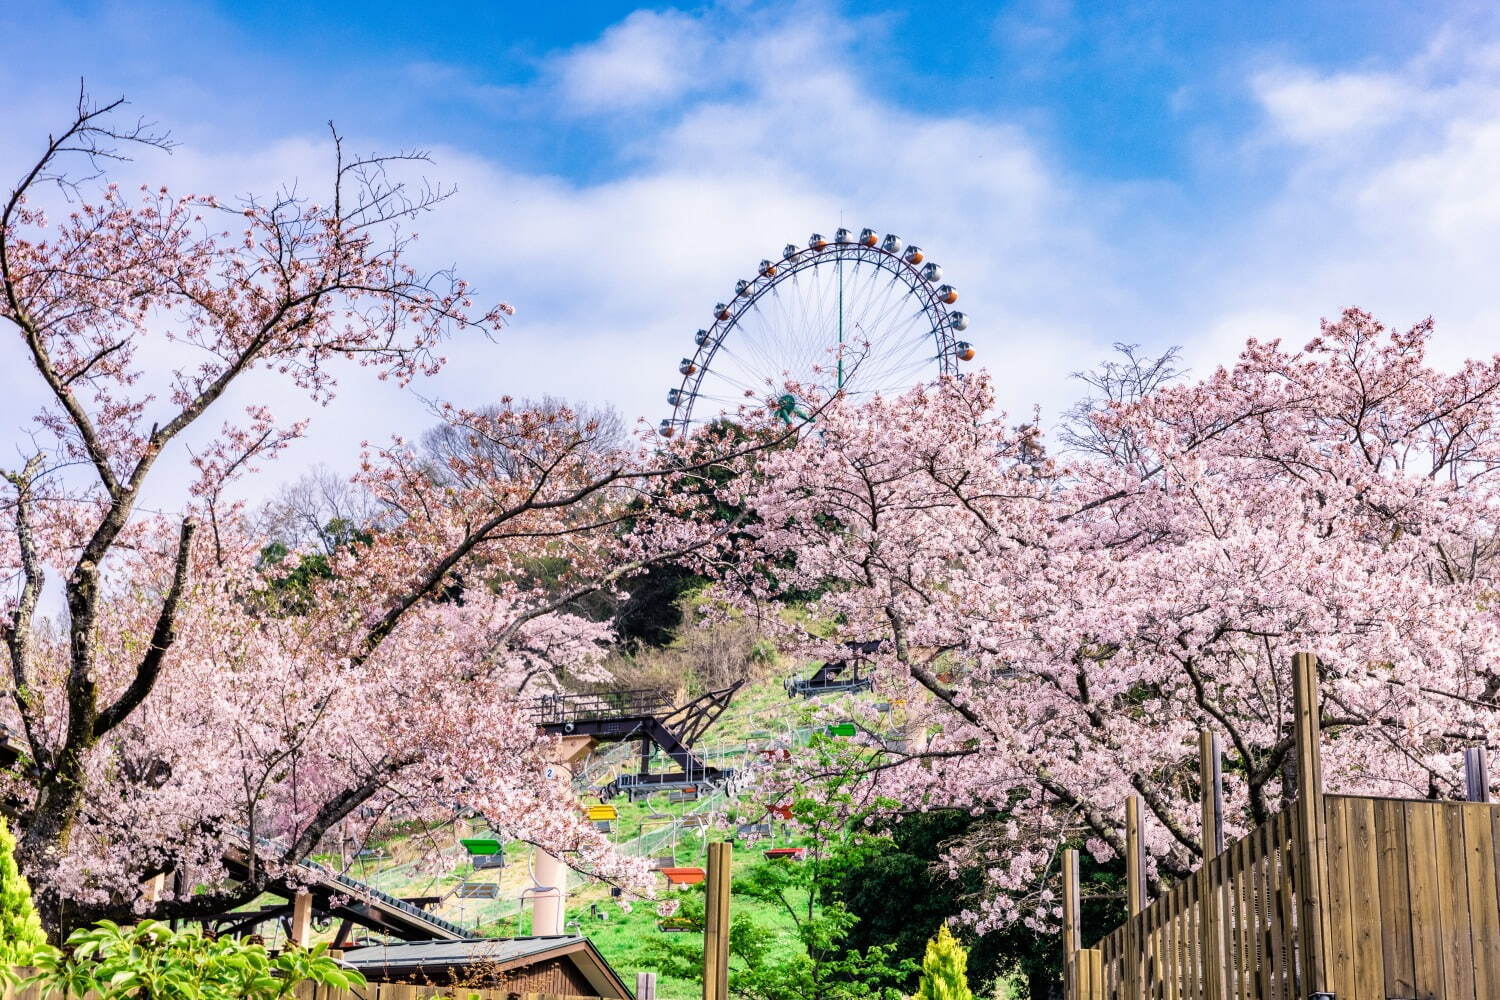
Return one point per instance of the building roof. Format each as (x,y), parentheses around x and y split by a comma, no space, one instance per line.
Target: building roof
(501,954)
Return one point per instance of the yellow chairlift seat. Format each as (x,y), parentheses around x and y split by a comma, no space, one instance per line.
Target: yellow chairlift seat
(602,813)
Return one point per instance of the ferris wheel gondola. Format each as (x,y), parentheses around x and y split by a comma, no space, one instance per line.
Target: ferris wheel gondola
(858,314)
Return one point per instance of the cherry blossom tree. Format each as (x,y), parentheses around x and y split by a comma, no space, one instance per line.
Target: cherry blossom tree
(183,702)
(1072,623)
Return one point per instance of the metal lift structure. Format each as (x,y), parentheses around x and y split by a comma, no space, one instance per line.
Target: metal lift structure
(836,675)
(647,716)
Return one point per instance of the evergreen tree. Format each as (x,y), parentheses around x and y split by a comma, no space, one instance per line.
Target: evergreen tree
(20,929)
(943,968)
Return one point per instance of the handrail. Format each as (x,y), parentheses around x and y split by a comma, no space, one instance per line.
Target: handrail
(550,709)
(369,892)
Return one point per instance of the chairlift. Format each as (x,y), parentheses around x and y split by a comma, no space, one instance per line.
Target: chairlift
(688,794)
(674,925)
(841,729)
(603,812)
(753,831)
(684,876)
(478,890)
(785,853)
(484,861)
(477,846)
(602,825)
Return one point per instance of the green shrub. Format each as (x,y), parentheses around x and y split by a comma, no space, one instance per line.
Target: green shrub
(944,969)
(20,930)
(150,961)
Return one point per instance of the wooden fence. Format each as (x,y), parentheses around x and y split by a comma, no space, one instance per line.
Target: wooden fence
(1346,897)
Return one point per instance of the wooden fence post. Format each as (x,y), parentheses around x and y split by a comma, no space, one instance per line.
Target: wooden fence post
(1311,820)
(645,986)
(302,920)
(716,923)
(1135,896)
(1071,912)
(1135,857)
(1210,937)
(1477,774)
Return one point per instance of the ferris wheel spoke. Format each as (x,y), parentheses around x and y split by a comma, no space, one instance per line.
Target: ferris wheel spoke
(916,352)
(722,370)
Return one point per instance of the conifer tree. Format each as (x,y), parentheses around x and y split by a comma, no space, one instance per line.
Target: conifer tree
(20,929)
(943,969)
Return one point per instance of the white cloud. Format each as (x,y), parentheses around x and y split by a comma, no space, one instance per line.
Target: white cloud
(1378,192)
(649,58)
(1315,110)
(1390,203)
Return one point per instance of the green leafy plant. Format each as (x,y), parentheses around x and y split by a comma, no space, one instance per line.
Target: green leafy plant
(820,965)
(20,930)
(150,961)
(944,969)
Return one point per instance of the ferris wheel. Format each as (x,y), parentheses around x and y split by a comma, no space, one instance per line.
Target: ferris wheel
(857,315)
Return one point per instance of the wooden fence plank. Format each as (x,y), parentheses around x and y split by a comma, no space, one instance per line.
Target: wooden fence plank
(1364,898)
(1275,938)
(1186,941)
(1453,904)
(1288,836)
(1165,963)
(1426,912)
(1224,891)
(1197,943)
(1484,918)
(1259,879)
(1246,899)
(1206,921)
(1395,899)
(1340,922)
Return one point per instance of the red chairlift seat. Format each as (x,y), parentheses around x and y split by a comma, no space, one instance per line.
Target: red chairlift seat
(684,876)
(786,853)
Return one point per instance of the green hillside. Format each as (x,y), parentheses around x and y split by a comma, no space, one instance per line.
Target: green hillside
(401,861)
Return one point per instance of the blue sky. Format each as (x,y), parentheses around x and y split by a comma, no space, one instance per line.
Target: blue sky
(1162,173)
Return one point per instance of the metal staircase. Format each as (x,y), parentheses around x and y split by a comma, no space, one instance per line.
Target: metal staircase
(647,716)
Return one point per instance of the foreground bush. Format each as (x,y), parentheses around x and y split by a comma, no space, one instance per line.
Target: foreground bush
(944,969)
(150,961)
(20,930)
